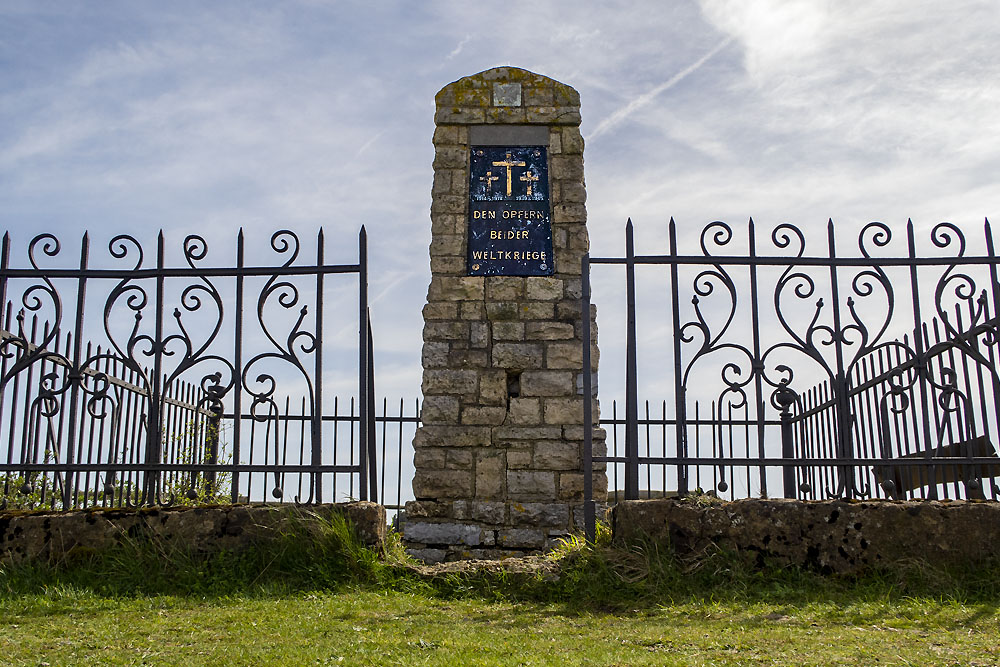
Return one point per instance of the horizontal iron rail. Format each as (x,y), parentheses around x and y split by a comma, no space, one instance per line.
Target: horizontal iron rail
(141,274)
(176,467)
(773,260)
(802,462)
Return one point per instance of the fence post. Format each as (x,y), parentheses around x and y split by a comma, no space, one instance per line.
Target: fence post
(589,509)
(680,399)
(784,397)
(631,383)
(369,423)
(363,361)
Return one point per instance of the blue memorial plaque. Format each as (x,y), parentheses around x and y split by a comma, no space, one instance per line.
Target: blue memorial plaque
(510,230)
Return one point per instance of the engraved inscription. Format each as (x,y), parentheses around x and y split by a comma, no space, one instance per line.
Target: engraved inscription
(510,232)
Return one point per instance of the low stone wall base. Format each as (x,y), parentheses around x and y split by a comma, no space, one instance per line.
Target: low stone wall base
(437,531)
(828,536)
(53,536)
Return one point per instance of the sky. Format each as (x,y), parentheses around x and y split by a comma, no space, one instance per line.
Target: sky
(193,117)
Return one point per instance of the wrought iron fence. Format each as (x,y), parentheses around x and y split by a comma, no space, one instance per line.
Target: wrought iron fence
(127,383)
(871,375)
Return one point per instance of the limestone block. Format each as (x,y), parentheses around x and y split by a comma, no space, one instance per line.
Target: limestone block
(433,435)
(429,508)
(472,310)
(542,288)
(499,311)
(440,310)
(506,115)
(555,115)
(437,484)
(563,411)
(572,141)
(529,484)
(434,355)
(573,192)
(524,412)
(456,288)
(449,156)
(557,455)
(528,432)
(479,335)
(517,355)
(518,459)
(493,387)
(566,168)
(570,213)
(555,144)
(462,115)
(439,409)
(446,134)
(547,383)
(427,532)
(450,381)
(492,415)
(446,330)
(459,458)
(539,514)
(455,204)
(429,457)
(508,331)
(505,288)
(490,475)
(548,331)
(538,310)
(461,358)
(442,265)
(537,96)
(488,512)
(564,355)
(447,244)
(521,537)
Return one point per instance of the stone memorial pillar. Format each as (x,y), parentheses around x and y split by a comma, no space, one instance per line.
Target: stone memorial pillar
(498,457)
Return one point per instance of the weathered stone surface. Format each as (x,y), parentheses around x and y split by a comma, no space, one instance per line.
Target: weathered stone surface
(557,455)
(539,514)
(502,354)
(531,484)
(547,383)
(521,537)
(430,533)
(438,484)
(52,536)
(517,355)
(830,536)
(489,475)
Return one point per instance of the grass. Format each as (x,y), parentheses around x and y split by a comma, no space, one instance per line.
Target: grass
(322,598)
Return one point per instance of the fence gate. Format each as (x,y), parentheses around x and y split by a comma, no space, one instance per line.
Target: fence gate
(133,377)
(810,374)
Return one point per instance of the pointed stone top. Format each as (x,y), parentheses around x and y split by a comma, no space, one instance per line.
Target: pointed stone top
(507,95)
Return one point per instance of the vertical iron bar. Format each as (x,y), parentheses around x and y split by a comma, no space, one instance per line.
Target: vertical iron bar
(363,387)
(680,398)
(631,382)
(238,370)
(75,372)
(369,422)
(317,412)
(840,384)
(920,363)
(758,364)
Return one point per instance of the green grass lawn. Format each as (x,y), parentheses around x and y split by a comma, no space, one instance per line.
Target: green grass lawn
(357,627)
(321,599)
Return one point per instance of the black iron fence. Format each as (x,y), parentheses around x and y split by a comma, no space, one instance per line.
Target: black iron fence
(132,382)
(808,375)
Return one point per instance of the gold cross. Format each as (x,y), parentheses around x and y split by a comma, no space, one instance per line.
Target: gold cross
(530,178)
(508,163)
(489,178)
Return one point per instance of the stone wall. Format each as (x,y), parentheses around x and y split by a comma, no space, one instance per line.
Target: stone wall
(498,457)
(828,536)
(53,536)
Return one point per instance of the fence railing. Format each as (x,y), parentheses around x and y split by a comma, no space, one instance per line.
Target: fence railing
(127,382)
(861,376)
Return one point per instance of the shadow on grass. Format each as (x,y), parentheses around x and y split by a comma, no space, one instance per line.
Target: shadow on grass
(582,579)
